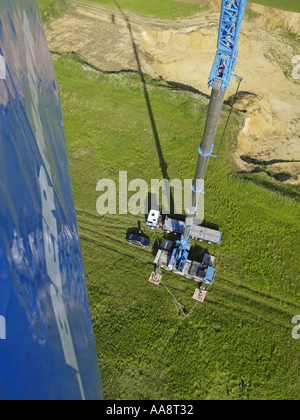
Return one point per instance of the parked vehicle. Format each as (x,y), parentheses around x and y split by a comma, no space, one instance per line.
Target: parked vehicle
(137,240)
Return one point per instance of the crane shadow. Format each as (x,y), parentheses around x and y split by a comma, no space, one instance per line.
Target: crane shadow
(162,162)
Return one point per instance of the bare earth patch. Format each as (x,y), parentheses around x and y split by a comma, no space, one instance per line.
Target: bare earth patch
(183,51)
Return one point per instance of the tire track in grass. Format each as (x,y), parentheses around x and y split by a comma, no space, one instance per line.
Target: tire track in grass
(250,314)
(263,294)
(102,226)
(110,237)
(85,238)
(252,311)
(102,234)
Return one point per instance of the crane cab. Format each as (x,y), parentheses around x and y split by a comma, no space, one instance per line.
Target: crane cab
(154,219)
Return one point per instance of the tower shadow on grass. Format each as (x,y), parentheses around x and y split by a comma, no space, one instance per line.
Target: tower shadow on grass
(162,162)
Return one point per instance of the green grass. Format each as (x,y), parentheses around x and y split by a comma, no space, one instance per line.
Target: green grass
(252,14)
(173,9)
(290,5)
(44,5)
(146,349)
(167,9)
(50,9)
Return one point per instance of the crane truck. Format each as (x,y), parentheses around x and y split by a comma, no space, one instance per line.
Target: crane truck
(231,16)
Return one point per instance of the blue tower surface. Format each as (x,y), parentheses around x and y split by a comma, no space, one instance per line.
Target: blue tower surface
(47,345)
(232,13)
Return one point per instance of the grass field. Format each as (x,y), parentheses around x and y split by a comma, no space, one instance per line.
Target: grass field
(168,9)
(290,5)
(50,9)
(146,349)
(172,9)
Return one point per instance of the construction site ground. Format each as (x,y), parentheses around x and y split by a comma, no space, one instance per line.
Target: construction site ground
(182,51)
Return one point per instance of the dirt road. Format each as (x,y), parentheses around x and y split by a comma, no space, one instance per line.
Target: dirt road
(183,51)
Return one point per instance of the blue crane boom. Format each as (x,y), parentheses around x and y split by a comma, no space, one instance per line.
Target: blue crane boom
(227,48)
(232,12)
